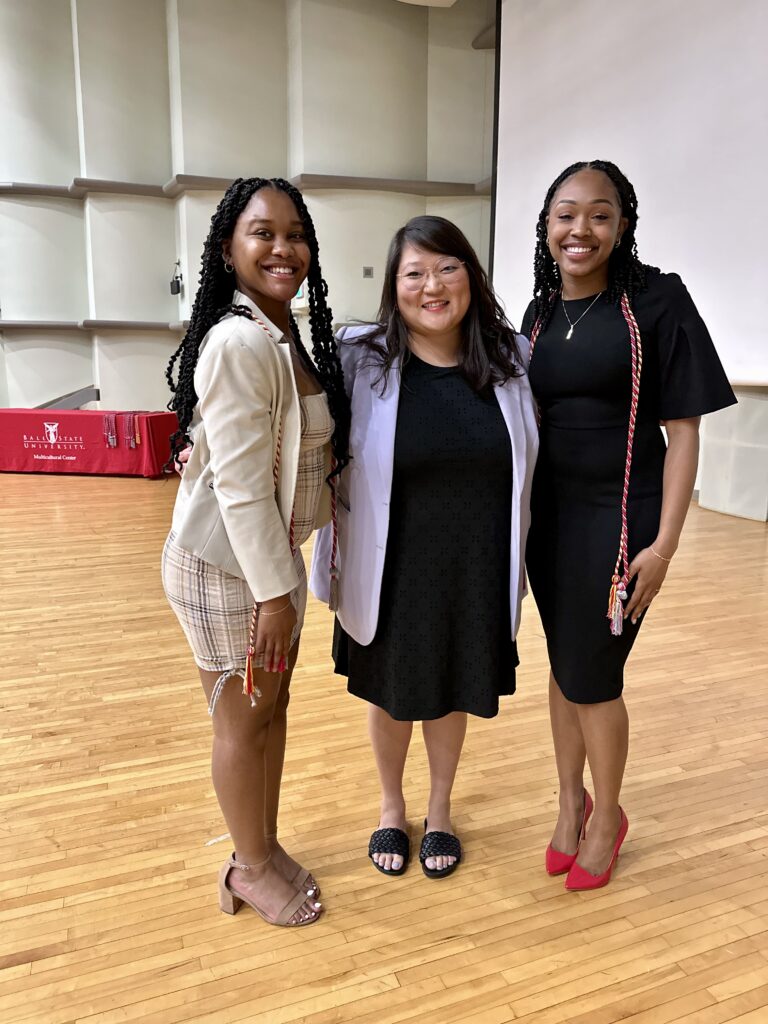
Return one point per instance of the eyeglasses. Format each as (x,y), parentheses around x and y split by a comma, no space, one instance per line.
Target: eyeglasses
(447,271)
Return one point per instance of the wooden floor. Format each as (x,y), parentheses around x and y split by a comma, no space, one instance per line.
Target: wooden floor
(109,823)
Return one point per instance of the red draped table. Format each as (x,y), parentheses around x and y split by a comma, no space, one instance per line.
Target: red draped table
(85,441)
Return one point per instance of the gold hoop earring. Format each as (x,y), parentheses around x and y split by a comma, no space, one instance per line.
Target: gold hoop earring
(228,267)
(618,243)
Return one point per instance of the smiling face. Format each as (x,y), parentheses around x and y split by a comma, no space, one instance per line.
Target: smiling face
(433,293)
(269,251)
(583,225)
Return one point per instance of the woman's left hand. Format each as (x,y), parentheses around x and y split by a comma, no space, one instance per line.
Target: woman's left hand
(650,571)
(180,461)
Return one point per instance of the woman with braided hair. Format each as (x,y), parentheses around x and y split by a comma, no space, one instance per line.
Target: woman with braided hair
(269,431)
(617,349)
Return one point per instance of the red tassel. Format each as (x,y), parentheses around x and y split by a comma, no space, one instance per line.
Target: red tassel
(615,607)
(248,688)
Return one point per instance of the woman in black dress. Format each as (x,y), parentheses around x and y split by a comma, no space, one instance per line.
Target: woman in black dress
(617,348)
(433,515)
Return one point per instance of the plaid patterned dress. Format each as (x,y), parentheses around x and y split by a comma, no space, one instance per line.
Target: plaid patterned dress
(214,607)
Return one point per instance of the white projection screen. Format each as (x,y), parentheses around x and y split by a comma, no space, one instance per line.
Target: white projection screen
(676,93)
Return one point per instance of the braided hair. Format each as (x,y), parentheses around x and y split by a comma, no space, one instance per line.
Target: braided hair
(214,298)
(626,274)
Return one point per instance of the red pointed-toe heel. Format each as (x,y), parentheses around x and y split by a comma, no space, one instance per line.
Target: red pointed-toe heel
(578,878)
(558,863)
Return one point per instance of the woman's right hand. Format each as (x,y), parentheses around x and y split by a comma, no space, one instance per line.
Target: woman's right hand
(274,630)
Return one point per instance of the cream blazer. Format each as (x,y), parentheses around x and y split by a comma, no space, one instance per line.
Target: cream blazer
(228,510)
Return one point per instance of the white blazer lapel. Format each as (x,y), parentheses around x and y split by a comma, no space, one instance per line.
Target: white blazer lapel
(385,418)
(363,531)
(509,397)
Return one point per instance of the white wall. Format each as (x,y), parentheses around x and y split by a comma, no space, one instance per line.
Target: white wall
(130,370)
(363,89)
(123,69)
(4,403)
(232,87)
(734,457)
(675,94)
(132,247)
(42,259)
(28,361)
(471,214)
(460,93)
(295,86)
(38,118)
(193,221)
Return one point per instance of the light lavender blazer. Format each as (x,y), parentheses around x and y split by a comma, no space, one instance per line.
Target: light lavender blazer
(365,489)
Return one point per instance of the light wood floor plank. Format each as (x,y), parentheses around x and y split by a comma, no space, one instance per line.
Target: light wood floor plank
(108,908)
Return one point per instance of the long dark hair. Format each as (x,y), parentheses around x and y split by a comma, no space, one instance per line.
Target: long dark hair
(489,350)
(214,298)
(626,274)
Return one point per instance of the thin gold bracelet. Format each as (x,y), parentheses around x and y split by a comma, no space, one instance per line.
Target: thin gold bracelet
(277,612)
(653,549)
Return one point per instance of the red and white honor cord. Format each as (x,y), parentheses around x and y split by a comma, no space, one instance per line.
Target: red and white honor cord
(333,598)
(620,577)
(249,689)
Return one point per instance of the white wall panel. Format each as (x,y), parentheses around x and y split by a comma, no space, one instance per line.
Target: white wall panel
(472,215)
(38,120)
(193,218)
(42,259)
(364,88)
(45,366)
(295,87)
(460,103)
(233,85)
(4,403)
(734,457)
(132,244)
(123,54)
(130,369)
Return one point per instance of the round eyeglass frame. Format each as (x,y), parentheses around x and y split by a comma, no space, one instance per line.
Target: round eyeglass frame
(432,270)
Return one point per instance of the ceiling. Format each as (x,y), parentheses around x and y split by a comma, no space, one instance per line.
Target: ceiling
(429,3)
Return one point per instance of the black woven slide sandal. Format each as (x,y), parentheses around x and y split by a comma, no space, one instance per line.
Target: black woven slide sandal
(390,840)
(439,844)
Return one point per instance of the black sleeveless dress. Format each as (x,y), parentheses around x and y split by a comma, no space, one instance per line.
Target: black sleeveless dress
(583,390)
(443,641)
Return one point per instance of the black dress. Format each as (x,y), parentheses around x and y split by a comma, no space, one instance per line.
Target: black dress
(583,390)
(443,641)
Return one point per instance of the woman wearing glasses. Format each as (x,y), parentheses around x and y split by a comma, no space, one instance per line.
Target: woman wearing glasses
(433,517)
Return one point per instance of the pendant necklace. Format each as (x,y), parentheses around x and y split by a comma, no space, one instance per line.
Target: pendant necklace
(571,326)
